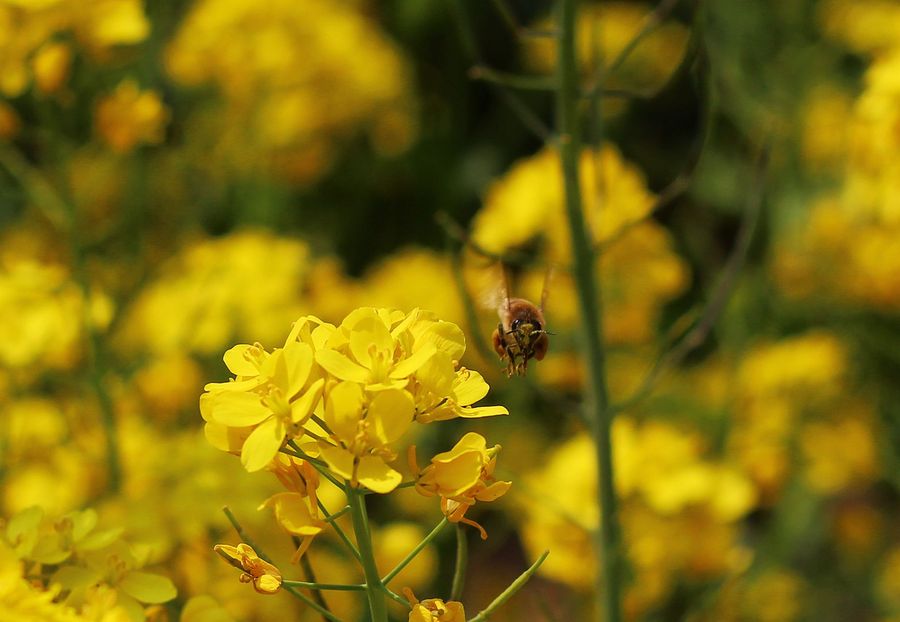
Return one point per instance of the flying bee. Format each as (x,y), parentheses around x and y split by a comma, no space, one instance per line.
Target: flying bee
(521,334)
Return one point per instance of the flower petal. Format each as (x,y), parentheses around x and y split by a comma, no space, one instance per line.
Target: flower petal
(474,412)
(446,337)
(343,409)
(341,367)
(411,363)
(469,387)
(494,491)
(339,460)
(302,408)
(390,415)
(368,335)
(298,359)
(292,513)
(377,476)
(262,445)
(238,361)
(237,409)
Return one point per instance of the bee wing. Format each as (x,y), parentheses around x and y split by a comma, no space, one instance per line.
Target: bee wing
(497,296)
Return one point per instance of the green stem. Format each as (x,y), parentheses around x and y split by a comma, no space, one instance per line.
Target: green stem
(330,519)
(374,588)
(412,554)
(462,557)
(337,587)
(606,544)
(508,593)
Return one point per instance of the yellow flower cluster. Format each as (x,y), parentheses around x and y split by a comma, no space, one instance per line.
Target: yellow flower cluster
(847,249)
(680,510)
(799,386)
(355,389)
(202,297)
(28,53)
(39,311)
(89,574)
(290,92)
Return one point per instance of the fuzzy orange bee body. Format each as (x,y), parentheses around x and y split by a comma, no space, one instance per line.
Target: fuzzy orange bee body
(520,335)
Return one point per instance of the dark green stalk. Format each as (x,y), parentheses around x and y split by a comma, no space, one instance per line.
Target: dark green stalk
(374,588)
(608,582)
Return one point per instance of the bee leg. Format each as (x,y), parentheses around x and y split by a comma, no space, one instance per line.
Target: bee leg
(499,343)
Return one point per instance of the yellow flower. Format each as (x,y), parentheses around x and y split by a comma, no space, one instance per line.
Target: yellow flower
(274,395)
(363,430)
(265,577)
(434,609)
(461,477)
(377,358)
(296,511)
(130,116)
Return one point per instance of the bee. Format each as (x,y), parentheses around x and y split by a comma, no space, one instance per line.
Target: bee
(521,333)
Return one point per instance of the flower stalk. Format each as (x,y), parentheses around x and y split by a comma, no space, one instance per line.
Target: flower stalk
(374,588)
(606,545)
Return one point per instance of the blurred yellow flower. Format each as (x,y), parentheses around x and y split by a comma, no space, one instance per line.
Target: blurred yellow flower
(130,116)
(51,67)
(393,542)
(609,27)
(680,510)
(98,26)
(240,287)
(265,577)
(306,75)
(22,600)
(865,26)
(40,310)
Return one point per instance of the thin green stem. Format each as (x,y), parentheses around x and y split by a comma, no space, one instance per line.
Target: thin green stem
(462,560)
(412,554)
(290,589)
(309,575)
(336,587)
(330,518)
(508,593)
(374,588)
(606,544)
(515,81)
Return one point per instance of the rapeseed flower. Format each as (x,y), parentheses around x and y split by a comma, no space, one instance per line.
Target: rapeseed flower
(265,577)
(461,477)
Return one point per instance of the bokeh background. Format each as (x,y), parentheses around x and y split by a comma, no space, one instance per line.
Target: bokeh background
(180,176)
